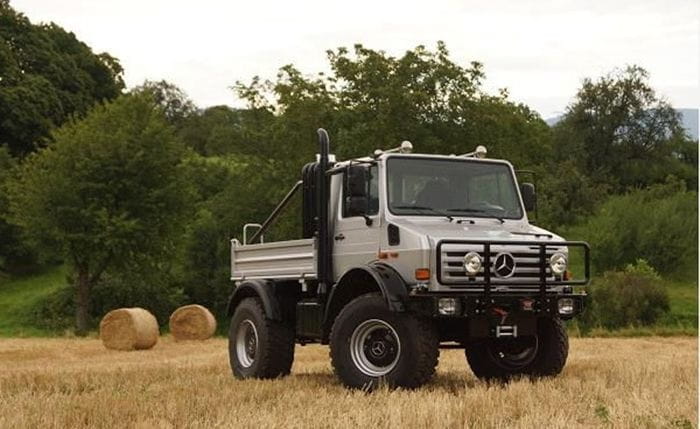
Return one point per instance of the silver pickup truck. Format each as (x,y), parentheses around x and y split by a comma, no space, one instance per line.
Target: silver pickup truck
(402,254)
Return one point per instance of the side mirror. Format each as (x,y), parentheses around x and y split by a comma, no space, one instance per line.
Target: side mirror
(357,181)
(356,206)
(527,190)
(357,178)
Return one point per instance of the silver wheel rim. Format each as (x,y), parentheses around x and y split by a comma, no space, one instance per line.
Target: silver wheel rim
(246,343)
(375,347)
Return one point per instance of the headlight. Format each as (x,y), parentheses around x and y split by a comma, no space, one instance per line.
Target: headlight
(558,263)
(472,263)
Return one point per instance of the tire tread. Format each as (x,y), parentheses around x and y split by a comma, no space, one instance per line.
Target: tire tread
(277,353)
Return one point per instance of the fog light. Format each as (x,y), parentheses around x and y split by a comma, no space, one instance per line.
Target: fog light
(472,263)
(558,263)
(566,306)
(448,306)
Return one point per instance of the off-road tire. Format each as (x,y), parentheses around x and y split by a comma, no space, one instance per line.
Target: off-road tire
(550,358)
(274,351)
(417,337)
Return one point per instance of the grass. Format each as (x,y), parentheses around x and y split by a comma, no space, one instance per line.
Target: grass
(625,383)
(683,297)
(19,295)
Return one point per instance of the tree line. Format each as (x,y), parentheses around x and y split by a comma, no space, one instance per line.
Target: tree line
(139,191)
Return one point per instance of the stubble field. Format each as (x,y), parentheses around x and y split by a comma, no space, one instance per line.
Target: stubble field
(637,382)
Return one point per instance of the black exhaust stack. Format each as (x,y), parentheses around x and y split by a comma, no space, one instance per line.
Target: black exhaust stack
(324,243)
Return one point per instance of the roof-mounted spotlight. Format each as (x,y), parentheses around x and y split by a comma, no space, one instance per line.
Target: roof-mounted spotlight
(479,152)
(405,147)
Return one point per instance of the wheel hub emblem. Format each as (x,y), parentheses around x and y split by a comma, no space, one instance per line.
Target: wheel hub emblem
(378,348)
(504,265)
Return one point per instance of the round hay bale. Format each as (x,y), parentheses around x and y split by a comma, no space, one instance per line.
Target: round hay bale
(192,322)
(129,329)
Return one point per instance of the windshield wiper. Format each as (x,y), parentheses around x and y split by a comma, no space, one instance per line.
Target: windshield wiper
(438,212)
(470,210)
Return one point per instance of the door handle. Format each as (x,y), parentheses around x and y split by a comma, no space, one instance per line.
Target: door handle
(339,237)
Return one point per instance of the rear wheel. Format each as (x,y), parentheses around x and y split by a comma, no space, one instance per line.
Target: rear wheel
(371,345)
(259,347)
(540,355)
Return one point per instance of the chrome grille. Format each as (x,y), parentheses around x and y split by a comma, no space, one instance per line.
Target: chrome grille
(526,256)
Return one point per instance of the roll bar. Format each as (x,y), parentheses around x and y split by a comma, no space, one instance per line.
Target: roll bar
(275,213)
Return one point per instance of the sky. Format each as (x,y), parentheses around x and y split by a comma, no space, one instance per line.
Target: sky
(539,50)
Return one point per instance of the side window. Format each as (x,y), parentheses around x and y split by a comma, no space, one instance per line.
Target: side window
(373,193)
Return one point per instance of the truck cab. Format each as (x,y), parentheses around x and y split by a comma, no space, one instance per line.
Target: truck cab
(402,254)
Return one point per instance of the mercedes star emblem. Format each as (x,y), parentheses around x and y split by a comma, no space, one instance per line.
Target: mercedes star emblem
(504,265)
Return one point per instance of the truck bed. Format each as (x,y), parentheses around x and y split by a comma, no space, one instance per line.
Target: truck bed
(294,259)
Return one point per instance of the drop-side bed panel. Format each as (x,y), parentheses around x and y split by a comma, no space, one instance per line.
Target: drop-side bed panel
(292,259)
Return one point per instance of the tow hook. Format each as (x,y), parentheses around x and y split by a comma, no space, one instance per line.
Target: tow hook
(500,312)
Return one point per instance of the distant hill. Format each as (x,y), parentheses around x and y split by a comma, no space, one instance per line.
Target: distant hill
(689,118)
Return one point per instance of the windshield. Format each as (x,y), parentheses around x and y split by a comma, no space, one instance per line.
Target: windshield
(447,187)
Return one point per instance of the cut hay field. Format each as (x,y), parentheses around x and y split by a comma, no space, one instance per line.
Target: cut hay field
(609,382)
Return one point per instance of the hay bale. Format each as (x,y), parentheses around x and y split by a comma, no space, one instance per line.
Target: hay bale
(129,329)
(192,322)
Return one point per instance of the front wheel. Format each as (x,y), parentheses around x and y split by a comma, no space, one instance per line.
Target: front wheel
(371,345)
(258,347)
(540,355)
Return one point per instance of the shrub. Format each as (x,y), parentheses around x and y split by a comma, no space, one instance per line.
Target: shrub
(159,294)
(619,299)
(55,312)
(658,224)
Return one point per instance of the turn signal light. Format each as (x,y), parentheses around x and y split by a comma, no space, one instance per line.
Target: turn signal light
(422,274)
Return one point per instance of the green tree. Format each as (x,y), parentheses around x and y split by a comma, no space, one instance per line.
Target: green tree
(425,97)
(231,190)
(109,192)
(46,76)
(566,194)
(620,131)
(222,130)
(175,103)
(374,100)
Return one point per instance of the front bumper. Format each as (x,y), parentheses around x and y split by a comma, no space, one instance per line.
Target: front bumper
(513,305)
(502,315)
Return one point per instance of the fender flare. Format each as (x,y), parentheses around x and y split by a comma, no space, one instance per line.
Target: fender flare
(390,283)
(387,280)
(263,289)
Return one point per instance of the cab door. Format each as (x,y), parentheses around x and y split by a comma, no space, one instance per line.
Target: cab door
(357,231)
